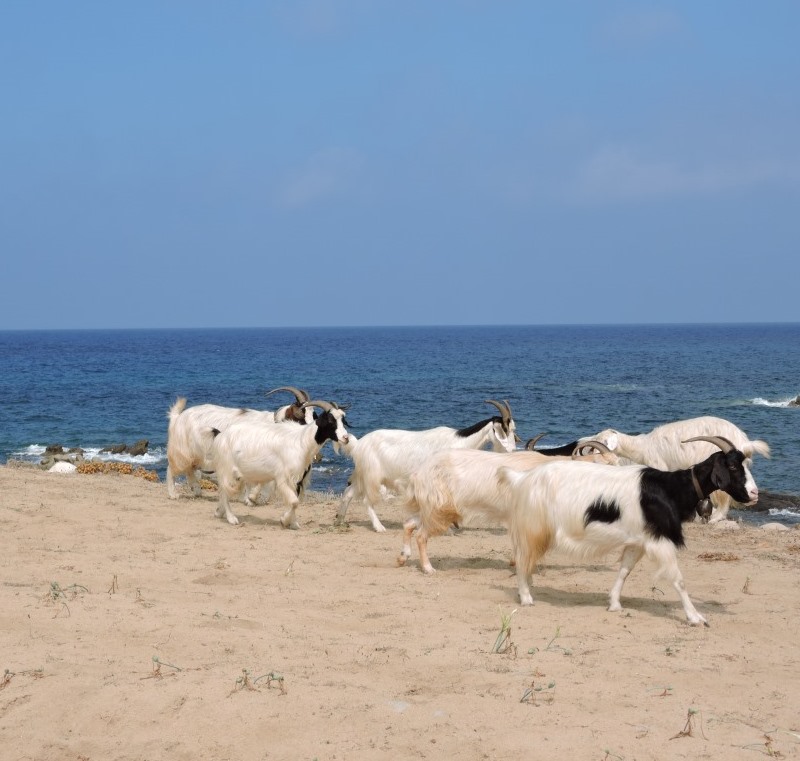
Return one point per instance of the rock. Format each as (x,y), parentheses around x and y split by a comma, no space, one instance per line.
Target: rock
(54,449)
(62,467)
(726,526)
(795,402)
(774,527)
(774,501)
(115,449)
(139,448)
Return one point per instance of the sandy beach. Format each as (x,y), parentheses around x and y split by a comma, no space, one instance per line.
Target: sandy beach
(134,627)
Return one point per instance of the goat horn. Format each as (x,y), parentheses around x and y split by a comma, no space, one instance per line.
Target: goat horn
(505,411)
(299,394)
(718,441)
(326,406)
(532,442)
(598,445)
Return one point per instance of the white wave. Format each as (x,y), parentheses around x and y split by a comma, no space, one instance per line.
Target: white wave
(784,513)
(767,403)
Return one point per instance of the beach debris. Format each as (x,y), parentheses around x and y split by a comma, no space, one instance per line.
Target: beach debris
(713,556)
(123,468)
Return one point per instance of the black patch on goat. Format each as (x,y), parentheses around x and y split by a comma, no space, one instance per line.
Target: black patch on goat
(602,512)
(668,500)
(466,432)
(566,449)
(326,428)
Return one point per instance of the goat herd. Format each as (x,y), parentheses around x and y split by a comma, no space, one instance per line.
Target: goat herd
(602,493)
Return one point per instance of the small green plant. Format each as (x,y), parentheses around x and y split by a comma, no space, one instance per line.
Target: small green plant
(688,729)
(547,692)
(273,676)
(157,664)
(244,682)
(551,646)
(503,642)
(57,592)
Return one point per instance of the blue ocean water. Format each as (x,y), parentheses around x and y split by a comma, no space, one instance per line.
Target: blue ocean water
(97,388)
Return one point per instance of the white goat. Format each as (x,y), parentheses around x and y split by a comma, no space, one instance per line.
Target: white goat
(592,510)
(189,434)
(457,485)
(661,448)
(254,452)
(385,458)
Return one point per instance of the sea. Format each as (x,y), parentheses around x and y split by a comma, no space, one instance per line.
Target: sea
(97,388)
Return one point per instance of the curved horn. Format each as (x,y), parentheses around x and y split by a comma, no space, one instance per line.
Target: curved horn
(505,410)
(299,394)
(598,445)
(532,442)
(718,441)
(326,406)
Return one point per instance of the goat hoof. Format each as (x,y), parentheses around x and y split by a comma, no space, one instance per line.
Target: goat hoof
(401,560)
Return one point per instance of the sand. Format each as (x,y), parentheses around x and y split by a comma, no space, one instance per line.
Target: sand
(135,627)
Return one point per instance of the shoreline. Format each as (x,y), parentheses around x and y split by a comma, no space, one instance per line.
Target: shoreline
(755,515)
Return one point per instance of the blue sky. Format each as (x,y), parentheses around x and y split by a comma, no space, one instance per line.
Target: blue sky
(222,164)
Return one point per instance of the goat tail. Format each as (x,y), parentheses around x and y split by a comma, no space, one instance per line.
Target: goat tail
(176,409)
(757,446)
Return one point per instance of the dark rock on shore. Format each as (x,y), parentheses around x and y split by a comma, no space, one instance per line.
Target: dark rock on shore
(139,448)
(775,501)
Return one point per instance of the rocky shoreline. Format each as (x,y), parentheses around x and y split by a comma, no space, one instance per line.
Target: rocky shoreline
(74,456)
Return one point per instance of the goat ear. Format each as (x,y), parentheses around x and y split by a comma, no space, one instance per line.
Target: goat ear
(612,442)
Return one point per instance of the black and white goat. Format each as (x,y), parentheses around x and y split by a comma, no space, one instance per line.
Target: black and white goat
(663,448)
(592,510)
(258,453)
(385,458)
(456,486)
(189,440)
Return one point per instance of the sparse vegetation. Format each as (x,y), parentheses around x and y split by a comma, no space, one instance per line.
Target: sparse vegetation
(503,643)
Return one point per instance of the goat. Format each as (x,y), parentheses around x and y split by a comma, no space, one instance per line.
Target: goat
(456,485)
(189,439)
(387,457)
(591,510)
(253,452)
(662,448)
